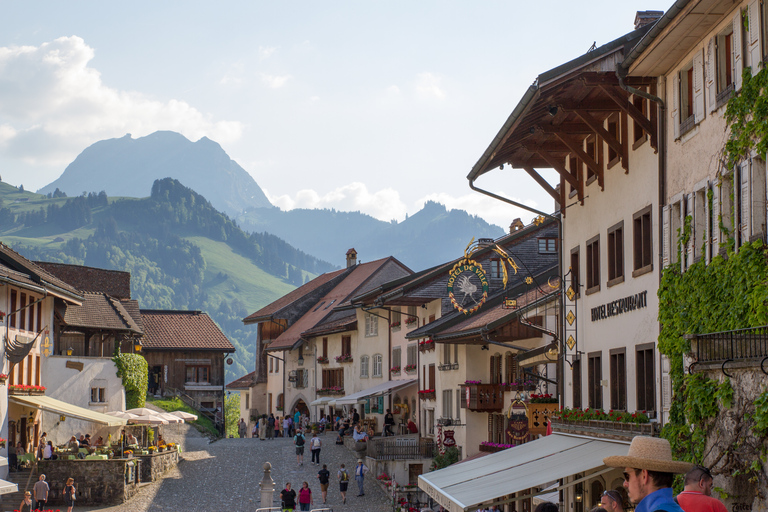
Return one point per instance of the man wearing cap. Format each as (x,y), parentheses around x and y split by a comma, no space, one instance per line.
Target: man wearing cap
(697,495)
(648,474)
(360,471)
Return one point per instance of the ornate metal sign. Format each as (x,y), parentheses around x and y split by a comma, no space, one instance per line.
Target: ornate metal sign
(467,282)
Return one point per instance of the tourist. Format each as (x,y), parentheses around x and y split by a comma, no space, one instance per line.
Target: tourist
(389,421)
(255,430)
(70,494)
(612,501)
(324,475)
(288,498)
(86,442)
(359,435)
(546,506)
(355,417)
(297,419)
(13,454)
(263,427)
(271,426)
(132,441)
(697,494)
(40,490)
(48,451)
(314,448)
(26,503)
(100,441)
(287,426)
(343,477)
(360,471)
(242,428)
(322,423)
(41,445)
(648,473)
(299,440)
(73,445)
(598,509)
(305,497)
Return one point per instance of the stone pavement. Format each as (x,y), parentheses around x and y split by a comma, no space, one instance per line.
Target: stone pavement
(225,476)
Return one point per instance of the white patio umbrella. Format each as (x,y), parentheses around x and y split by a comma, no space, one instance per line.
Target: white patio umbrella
(122,414)
(171,418)
(184,415)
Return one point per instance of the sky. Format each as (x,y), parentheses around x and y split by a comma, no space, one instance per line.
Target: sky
(365,106)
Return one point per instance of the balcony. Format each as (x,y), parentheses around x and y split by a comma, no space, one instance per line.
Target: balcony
(401,448)
(426,345)
(748,347)
(485,397)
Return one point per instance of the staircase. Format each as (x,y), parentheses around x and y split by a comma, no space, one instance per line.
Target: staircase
(9,502)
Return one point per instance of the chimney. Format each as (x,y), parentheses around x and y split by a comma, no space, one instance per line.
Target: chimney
(643,18)
(351,257)
(516,225)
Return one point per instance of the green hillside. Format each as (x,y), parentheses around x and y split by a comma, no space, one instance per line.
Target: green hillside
(181,252)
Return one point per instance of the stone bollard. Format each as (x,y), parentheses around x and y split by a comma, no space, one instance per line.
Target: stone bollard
(267,486)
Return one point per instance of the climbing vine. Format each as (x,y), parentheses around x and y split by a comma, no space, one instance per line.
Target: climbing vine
(747,119)
(133,369)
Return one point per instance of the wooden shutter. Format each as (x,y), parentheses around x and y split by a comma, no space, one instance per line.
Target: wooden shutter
(666,384)
(367,406)
(666,241)
(431,376)
(381,403)
(306,378)
(755,53)
(707,235)
(738,64)
(745,196)
(715,218)
(711,71)
(699,111)
(691,247)
(676,104)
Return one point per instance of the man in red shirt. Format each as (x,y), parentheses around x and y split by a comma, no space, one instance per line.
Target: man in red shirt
(696,497)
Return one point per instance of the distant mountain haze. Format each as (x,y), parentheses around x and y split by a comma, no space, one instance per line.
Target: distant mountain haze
(128,167)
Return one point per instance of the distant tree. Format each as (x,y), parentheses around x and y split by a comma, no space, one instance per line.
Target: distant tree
(59,193)
(21,188)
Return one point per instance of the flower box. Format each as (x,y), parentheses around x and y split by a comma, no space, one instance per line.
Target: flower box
(426,345)
(344,358)
(411,320)
(395,325)
(322,360)
(335,391)
(395,370)
(23,389)
(427,394)
(611,425)
(411,368)
(3,378)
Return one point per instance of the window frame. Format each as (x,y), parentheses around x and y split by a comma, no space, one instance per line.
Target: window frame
(618,376)
(197,368)
(645,374)
(615,250)
(593,265)
(371,325)
(377,366)
(644,237)
(594,380)
(576,270)
(364,367)
(548,241)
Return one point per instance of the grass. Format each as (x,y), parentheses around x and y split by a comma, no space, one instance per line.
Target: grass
(203,424)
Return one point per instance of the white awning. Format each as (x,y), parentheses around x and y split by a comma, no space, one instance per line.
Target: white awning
(8,487)
(465,486)
(48,404)
(379,389)
(321,401)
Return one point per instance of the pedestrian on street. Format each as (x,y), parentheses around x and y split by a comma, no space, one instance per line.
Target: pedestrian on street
(343,477)
(70,494)
(314,448)
(612,501)
(305,496)
(26,504)
(697,494)
(271,426)
(255,430)
(389,422)
(324,475)
(649,471)
(360,471)
(299,440)
(41,493)
(241,428)
(288,498)
(263,427)
(297,419)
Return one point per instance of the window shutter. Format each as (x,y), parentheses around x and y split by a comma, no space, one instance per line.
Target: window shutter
(715,241)
(711,73)
(738,39)
(745,203)
(691,246)
(381,403)
(676,104)
(754,36)
(666,384)
(707,235)
(367,406)
(306,378)
(666,241)
(698,88)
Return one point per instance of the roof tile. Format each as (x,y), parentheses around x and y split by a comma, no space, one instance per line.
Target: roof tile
(182,330)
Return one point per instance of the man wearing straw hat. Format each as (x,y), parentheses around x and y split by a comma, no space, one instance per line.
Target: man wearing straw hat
(648,474)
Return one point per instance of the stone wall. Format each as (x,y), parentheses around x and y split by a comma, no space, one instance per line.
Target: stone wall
(98,482)
(154,466)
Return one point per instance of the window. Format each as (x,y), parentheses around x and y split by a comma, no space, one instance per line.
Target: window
(638,134)
(12,321)
(616,254)
(510,368)
(575,282)
(371,325)
(591,150)
(574,167)
(594,380)
(447,403)
(643,242)
(396,357)
(302,378)
(686,92)
(396,319)
(431,381)
(325,348)
(618,379)
(613,129)
(333,378)
(593,264)
(378,361)
(346,345)
(496,272)
(31,317)
(495,372)
(724,65)
(364,367)
(412,354)
(271,365)
(23,312)
(688,107)
(98,392)
(198,374)
(447,350)
(277,366)
(646,382)
(281,402)
(413,319)
(547,245)
(39,316)
(329,304)
(248,401)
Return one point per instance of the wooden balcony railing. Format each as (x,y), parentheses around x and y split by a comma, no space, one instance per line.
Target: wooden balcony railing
(485,397)
(401,448)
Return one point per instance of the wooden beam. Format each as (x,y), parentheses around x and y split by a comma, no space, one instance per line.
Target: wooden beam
(596,170)
(653,110)
(600,105)
(593,79)
(575,128)
(563,195)
(542,183)
(598,128)
(560,168)
(624,141)
(626,106)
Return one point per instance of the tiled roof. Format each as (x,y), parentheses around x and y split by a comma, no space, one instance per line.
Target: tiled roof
(347,322)
(100,311)
(32,274)
(182,330)
(114,283)
(132,307)
(289,298)
(244,382)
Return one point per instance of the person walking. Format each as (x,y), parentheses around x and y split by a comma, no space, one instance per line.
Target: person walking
(297,419)
(40,490)
(360,471)
(343,477)
(697,494)
(70,494)
(389,422)
(324,475)
(242,429)
(287,426)
(314,448)
(288,498)
(298,441)
(271,426)
(305,496)
(649,471)
(263,427)
(26,503)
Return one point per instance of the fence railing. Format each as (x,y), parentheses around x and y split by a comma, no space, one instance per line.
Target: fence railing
(400,449)
(740,344)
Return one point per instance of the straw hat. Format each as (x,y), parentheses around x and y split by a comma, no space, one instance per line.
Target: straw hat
(359,460)
(651,453)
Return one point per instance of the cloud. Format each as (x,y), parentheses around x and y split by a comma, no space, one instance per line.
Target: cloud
(492,210)
(274,81)
(52,105)
(384,204)
(266,52)
(428,86)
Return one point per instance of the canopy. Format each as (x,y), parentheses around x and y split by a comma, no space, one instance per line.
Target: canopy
(170,418)
(379,389)
(122,414)
(184,415)
(48,404)
(321,401)
(8,487)
(465,486)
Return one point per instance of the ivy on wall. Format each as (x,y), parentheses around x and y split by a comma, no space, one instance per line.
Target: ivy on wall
(134,371)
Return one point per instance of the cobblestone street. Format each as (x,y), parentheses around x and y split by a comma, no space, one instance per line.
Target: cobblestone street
(225,476)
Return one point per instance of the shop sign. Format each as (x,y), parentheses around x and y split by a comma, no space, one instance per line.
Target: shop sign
(618,307)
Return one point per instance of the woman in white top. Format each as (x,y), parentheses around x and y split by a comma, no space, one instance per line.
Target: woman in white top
(48,451)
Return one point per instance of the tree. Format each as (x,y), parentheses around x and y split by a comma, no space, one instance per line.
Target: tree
(232,413)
